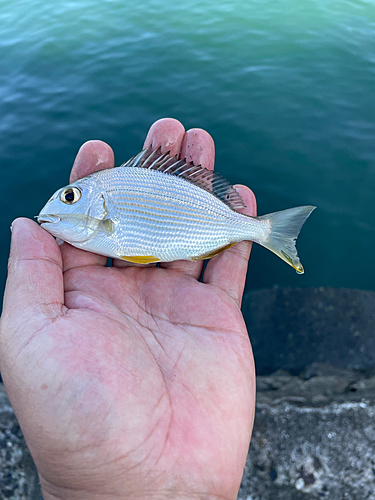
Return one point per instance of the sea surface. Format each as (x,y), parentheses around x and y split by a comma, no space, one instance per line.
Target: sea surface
(285,87)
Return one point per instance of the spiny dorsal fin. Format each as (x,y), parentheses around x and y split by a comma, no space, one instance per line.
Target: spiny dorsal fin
(209,180)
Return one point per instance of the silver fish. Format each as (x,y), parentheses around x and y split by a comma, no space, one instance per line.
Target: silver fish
(157,208)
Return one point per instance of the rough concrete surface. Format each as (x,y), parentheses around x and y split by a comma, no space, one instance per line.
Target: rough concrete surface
(18,478)
(314,437)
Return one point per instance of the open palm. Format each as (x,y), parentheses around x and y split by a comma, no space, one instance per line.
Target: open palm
(129,381)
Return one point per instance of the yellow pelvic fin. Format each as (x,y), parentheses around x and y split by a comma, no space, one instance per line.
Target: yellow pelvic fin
(140,259)
(209,255)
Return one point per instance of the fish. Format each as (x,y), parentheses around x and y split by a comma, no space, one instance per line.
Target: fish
(158,208)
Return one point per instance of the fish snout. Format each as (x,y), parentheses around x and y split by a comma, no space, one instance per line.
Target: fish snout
(47,219)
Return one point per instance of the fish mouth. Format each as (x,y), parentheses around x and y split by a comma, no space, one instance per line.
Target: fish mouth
(47,219)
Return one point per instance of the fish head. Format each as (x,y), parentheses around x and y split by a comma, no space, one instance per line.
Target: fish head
(74,212)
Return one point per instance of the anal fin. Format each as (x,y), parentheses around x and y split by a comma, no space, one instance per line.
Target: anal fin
(209,255)
(140,259)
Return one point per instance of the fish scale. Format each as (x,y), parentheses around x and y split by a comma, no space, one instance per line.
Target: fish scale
(157,208)
(200,220)
(176,216)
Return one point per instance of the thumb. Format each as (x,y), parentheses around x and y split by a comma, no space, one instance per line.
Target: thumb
(35,281)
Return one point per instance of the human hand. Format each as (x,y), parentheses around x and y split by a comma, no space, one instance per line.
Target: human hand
(129,381)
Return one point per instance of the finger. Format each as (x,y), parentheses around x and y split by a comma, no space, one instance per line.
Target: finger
(167,133)
(34,286)
(198,147)
(91,157)
(228,269)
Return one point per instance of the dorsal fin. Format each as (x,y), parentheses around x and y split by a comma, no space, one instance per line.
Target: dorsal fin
(208,180)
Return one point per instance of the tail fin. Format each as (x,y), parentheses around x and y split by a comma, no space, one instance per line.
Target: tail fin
(285,226)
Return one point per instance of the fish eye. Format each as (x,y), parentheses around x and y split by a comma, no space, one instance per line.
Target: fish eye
(70,195)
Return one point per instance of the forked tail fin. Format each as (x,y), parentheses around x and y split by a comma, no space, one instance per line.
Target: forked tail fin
(285,226)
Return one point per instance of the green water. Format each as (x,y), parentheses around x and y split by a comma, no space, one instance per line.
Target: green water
(286,89)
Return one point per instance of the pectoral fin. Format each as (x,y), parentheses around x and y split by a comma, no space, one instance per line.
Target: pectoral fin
(140,259)
(108,226)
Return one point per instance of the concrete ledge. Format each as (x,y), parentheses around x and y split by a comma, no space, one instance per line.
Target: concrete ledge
(290,328)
